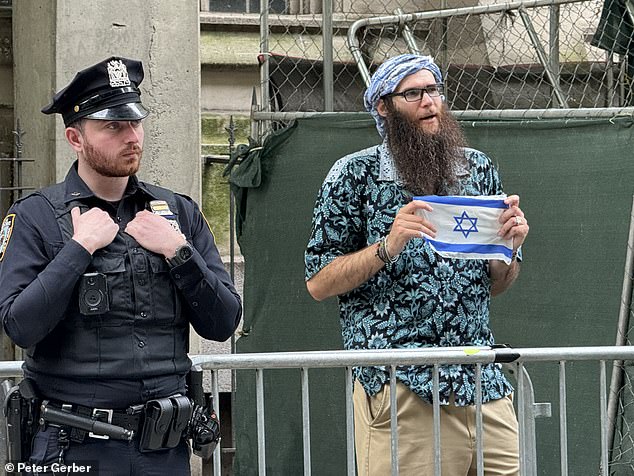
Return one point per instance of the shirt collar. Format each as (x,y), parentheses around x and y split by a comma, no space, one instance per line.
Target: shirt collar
(387,169)
(77,189)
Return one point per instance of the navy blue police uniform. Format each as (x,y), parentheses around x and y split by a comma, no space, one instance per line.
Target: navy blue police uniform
(104,363)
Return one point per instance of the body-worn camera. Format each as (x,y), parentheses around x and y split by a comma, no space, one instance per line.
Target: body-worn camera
(93,294)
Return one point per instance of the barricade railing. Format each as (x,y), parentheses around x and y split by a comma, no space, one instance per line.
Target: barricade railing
(527,409)
(435,357)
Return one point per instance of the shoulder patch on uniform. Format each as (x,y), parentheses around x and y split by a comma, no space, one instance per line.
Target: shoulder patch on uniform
(5,233)
(160,207)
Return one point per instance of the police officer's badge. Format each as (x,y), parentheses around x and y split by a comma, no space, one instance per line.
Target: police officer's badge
(5,233)
(118,74)
(160,207)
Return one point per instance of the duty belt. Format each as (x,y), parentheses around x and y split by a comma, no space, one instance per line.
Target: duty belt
(127,421)
(159,423)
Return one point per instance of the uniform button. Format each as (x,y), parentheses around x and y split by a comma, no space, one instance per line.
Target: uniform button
(195,304)
(143,314)
(177,276)
(119,219)
(135,250)
(142,282)
(141,344)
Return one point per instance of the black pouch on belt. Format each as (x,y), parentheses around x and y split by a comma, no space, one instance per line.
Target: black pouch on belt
(182,413)
(156,424)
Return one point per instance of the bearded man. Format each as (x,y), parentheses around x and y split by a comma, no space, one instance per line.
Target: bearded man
(101,276)
(367,247)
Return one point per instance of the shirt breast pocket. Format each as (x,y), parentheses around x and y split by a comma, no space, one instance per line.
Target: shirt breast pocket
(112,265)
(166,305)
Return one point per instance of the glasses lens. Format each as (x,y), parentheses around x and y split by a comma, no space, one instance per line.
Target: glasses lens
(434,90)
(412,95)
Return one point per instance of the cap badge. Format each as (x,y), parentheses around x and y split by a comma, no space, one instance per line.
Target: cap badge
(118,74)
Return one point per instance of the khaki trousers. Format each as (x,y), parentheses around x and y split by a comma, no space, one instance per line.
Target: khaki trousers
(416,438)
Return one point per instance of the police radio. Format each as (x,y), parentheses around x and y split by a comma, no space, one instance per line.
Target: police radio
(93,294)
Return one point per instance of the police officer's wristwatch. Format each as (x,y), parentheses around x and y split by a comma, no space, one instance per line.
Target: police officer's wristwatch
(183,253)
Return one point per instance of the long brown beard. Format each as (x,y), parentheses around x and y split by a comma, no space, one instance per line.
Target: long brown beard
(426,162)
(110,164)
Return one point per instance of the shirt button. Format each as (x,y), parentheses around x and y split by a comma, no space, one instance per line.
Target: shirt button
(177,276)
(195,304)
(143,314)
(119,219)
(142,282)
(141,344)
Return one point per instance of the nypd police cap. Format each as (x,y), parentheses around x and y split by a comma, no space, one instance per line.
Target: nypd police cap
(108,91)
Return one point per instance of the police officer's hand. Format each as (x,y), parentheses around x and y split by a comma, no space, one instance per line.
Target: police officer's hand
(155,233)
(94,229)
(408,225)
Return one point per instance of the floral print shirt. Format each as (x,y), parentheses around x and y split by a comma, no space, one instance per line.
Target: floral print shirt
(421,300)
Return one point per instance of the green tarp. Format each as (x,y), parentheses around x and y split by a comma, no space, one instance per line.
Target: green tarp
(575,179)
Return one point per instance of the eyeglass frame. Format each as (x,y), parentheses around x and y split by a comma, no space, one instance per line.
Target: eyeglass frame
(439,90)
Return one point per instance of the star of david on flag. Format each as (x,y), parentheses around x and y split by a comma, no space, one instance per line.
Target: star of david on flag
(459,226)
(467,227)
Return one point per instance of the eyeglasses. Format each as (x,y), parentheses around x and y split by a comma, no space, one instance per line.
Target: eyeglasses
(416,94)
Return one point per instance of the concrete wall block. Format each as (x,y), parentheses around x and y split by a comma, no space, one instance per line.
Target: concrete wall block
(147,31)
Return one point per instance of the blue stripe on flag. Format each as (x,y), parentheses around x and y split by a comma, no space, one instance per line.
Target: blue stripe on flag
(464,201)
(472,248)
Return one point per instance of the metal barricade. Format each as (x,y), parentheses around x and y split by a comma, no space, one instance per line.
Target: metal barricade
(514,359)
(527,409)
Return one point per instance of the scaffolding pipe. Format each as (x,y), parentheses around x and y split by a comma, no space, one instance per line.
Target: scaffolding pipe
(328,73)
(553,42)
(408,36)
(265,56)
(543,59)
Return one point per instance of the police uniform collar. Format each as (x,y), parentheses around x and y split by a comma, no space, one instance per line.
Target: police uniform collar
(143,187)
(76,188)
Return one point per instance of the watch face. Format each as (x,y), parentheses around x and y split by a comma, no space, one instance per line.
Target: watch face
(185,252)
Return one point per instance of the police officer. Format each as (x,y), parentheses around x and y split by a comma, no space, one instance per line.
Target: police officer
(100,277)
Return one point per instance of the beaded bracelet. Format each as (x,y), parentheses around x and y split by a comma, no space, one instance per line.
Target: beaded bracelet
(383,254)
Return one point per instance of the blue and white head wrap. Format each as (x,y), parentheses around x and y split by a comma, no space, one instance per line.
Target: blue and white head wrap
(388,76)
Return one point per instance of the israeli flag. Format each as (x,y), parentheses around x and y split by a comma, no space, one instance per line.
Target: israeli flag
(467,227)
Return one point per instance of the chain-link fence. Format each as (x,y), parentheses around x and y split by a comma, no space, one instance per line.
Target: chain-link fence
(520,57)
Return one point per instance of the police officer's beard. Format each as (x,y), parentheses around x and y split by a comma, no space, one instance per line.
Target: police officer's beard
(113,164)
(426,162)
